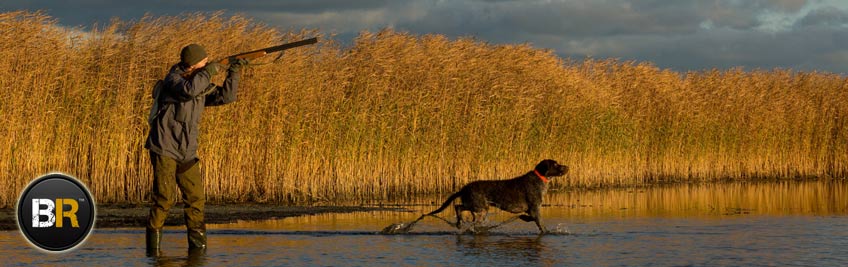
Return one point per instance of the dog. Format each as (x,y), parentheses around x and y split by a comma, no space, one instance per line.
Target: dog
(522,194)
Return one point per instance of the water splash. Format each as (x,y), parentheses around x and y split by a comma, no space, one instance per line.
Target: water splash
(398,228)
(560,229)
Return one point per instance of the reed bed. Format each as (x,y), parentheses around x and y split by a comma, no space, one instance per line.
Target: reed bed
(395,115)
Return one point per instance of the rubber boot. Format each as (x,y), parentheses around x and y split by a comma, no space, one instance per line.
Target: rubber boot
(196,257)
(196,239)
(153,237)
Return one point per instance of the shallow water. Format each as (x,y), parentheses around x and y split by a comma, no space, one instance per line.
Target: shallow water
(786,223)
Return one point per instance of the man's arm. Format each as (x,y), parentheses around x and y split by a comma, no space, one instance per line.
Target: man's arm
(227,93)
(188,89)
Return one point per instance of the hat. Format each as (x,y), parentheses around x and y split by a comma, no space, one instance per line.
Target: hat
(192,54)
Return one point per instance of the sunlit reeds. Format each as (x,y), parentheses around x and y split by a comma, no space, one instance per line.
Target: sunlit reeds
(395,114)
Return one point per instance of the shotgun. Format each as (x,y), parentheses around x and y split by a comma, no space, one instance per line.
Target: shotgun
(260,53)
(157,88)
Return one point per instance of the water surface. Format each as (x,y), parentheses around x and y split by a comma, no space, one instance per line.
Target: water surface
(779,223)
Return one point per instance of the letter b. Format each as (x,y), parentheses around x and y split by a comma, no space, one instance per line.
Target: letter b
(37,212)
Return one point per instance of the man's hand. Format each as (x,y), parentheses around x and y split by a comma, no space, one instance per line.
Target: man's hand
(237,64)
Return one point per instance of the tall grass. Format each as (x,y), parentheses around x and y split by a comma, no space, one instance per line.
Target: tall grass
(395,114)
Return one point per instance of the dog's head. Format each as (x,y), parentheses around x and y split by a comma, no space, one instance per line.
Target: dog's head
(551,168)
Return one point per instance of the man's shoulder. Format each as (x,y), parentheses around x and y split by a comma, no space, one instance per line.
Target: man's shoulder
(177,68)
(175,72)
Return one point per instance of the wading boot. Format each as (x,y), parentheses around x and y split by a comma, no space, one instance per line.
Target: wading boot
(153,237)
(196,239)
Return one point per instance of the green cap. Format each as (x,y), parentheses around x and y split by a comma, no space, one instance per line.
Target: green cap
(192,54)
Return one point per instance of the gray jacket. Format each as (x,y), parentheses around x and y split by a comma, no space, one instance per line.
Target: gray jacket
(174,131)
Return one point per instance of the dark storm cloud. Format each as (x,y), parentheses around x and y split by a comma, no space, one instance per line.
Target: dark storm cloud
(678,34)
(682,35)
(573,19)
(730,48)
(307,6)
(825,17)
(87,12)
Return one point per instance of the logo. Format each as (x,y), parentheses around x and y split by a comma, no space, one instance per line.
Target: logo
(56,212)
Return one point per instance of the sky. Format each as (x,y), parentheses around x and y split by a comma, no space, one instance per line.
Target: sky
(682,35)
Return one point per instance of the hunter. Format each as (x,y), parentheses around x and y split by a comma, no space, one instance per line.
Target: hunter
(174,126)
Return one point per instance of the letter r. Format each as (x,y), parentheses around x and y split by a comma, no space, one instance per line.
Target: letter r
(62,213)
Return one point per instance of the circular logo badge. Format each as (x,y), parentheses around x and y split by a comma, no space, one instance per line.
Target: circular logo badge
(56,212)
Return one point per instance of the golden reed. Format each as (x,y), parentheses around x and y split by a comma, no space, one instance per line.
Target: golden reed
(395,115)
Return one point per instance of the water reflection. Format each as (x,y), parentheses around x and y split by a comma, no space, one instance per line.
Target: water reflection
(711,199)
(194,257)
(494,247)
(716,200)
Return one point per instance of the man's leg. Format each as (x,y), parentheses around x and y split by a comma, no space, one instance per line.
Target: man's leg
(194,197)
(162,198)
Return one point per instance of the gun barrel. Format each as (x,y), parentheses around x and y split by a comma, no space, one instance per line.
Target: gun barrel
(309,41)
(264,51)
(282,47)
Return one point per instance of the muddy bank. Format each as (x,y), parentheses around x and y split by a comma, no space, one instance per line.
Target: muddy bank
(124,215)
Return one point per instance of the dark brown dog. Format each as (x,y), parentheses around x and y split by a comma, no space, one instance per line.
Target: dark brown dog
(522,194)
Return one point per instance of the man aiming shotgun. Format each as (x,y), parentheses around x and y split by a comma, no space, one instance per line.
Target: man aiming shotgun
(179,100)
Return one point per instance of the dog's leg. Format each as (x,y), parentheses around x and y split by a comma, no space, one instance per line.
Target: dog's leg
(458,209)
(534,213)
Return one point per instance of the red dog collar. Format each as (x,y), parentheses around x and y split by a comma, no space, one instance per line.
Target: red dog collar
(541,176)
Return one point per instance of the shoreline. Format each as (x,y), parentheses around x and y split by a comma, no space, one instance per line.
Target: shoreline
(135,215)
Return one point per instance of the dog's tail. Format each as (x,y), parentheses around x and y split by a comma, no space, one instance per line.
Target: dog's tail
(446,204)
(408,227)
